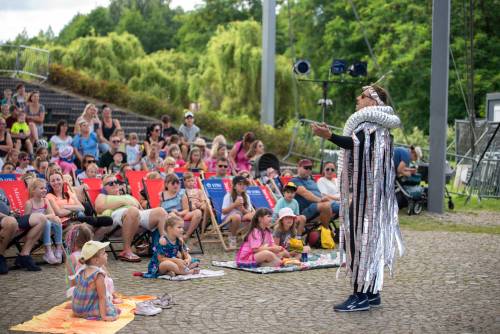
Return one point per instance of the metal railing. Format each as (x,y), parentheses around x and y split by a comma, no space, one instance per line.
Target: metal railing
(24,61)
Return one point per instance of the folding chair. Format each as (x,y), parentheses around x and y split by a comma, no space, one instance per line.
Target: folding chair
(94,189)
(134,180)
(153,191)
(260,199)
(17,195)
(215,191)
(316,177)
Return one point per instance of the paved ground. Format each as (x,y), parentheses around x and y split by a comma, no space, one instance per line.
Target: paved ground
(446,283)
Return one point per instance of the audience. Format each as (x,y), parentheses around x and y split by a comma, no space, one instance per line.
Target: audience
(327,184)
(104,143)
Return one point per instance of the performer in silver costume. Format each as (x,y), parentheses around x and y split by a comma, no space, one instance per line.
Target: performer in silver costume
(368,210)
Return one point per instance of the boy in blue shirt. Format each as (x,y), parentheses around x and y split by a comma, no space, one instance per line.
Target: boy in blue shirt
(288,201)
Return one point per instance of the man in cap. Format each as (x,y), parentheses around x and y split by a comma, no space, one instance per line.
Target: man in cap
(312,204)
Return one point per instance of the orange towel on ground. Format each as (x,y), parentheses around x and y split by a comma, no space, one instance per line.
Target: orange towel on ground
(60,319)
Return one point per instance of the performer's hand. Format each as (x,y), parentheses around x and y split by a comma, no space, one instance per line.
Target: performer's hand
(321,130)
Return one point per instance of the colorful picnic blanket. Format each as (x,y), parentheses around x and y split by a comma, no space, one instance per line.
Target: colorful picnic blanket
(204,273)
(60,319)
(315,261)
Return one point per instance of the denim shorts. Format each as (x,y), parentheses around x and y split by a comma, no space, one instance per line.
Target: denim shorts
(312,211)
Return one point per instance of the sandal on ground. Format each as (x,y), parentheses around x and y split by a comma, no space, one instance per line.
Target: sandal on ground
(129,257)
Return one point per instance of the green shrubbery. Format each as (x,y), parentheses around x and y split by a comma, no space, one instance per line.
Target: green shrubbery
(211,122)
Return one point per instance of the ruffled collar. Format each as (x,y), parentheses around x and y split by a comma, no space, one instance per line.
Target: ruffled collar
(381,115)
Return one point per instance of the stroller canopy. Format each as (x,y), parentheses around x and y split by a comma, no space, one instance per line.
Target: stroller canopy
(265,161)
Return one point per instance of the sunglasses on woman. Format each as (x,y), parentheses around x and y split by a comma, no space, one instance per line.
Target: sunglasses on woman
(329,169)
(111,183)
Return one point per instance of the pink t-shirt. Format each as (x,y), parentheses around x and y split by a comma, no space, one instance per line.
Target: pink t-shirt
(256,239)
(242,162)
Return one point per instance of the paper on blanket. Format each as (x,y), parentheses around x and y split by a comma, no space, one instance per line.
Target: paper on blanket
(60,319)
(204,273)
(317,261)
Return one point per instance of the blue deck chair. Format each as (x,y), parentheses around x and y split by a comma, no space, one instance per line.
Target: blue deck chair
(258,198)
(215,191)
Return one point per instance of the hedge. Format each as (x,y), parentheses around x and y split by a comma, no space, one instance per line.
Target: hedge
(211,122)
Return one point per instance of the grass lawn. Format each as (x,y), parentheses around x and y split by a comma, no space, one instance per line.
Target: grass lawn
(475,217)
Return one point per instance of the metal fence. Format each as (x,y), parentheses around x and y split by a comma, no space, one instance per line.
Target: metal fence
(24,61)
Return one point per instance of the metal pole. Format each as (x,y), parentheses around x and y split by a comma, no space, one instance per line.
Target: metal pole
(268,55)
(439,103)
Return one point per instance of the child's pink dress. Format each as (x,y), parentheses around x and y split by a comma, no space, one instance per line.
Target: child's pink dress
(257,238)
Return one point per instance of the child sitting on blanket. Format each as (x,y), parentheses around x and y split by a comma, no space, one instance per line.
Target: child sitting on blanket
(76,237)
(258,248)
(285,234)
(171,256)
(91,298)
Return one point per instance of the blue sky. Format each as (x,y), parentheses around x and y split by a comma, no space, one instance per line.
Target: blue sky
(36,15)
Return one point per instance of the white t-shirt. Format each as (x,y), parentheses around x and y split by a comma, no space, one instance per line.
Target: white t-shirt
(133,152)
(228,201)
(60,143)
(327,187)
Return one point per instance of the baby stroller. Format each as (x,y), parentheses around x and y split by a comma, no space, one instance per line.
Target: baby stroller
(265,161)
(410,194)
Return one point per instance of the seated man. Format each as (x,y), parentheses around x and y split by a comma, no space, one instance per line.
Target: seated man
(221,169)
(126,212)
(403,157)
(9,226)
(311,203)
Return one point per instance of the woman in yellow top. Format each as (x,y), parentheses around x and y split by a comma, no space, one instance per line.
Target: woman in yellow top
(20,132)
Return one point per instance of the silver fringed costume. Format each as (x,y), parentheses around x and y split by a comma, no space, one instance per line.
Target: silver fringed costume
(369,184)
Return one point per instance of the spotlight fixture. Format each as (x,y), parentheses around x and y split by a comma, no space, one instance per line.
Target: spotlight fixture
(358,69)
(302,67)
(338,67)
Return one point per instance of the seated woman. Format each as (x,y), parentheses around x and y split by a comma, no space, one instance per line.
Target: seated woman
(255,151)
(236,208)
(63,202)
(195,160)
(152,160)
(126,212)
(327,184)
(175,201)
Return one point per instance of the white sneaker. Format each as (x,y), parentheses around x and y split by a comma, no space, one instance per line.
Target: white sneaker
(58,254)
(49,257)
(146,308)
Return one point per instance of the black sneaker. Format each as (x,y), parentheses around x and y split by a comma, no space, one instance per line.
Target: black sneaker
(4,269)
(26,261)
(374,299)
(356,302)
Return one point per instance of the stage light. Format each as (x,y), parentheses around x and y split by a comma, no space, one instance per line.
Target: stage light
(302,67)
(338,66)
(358,69)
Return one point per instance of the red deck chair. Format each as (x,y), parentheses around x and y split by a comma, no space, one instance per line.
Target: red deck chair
(94,189)
(134,180)
(284,180)
(153,189)
(316,177)
(17,195)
